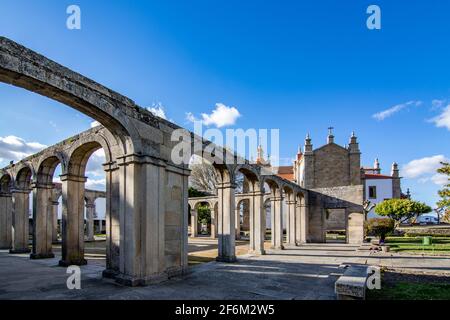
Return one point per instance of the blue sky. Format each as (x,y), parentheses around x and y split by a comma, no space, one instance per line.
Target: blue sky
(296,66)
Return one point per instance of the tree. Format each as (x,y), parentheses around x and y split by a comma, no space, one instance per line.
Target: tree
(379,227)
(401,210)
(444,204)
(204,177)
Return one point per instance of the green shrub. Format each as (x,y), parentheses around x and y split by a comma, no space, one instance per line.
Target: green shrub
(379,227)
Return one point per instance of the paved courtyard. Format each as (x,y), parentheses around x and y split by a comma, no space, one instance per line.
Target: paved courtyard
(306,272)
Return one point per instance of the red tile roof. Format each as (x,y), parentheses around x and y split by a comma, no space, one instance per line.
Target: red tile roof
(376,176)
(286,172)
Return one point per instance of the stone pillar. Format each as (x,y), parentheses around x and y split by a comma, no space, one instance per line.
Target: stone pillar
(291,223)
(90,212)
(226,222)
(194,223)
(213,224)
(42,222)
(5,221)
(100,225)
(277,220)
(257,214)
(112,220)
(21,206)
(72,220)
(246,216)
(302,233)
(142,220)
(237,218)
(54,209)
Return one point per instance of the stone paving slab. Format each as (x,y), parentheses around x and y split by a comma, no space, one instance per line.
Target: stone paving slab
(305,272)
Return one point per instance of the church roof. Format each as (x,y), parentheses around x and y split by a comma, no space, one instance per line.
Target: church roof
(286,172)
(376,176)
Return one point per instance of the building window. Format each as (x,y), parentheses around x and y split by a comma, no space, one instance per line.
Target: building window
(372,192)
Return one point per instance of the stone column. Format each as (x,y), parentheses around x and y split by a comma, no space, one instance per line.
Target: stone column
(194,223)
(277,220)
(291,226)
(226,222)
(237,218)
(100,225)
(245,216)
(90,212)
(72,220)
(142,220)
(42,222)
(54,209)
(5,221)
(302,223)
(112,221)
(257,226)
(298,226)
(21,207)
(213,224)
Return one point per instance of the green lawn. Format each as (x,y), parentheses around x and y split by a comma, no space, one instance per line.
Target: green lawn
(412,291)
(440,245)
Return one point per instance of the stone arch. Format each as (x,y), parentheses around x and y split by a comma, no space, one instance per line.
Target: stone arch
(24,176)
(46,167)
(5,183)
(29,70)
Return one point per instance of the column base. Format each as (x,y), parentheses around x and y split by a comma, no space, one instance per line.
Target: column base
(38,256)
(19,251)
(80,262)
(229,259)
(277,247)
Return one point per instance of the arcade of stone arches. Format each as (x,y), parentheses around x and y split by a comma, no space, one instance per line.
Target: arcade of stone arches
(146,192)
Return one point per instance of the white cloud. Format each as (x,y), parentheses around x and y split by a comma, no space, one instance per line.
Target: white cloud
(221,116)
(95,164)
(158,110)
(15,148)
(95,124)
(443,120)
(95,184)
(425,169)
(380,116)
(440,179)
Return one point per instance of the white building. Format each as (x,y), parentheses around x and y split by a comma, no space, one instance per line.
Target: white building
(379,187)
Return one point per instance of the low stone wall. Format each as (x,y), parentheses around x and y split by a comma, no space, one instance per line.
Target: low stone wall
(352,284)
(426,231)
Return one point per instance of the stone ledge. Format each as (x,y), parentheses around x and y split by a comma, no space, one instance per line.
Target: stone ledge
(352,284)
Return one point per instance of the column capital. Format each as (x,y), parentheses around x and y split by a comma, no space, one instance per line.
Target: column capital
(71,177)
(291,202)
(226,185)
(23,191)
(39,185)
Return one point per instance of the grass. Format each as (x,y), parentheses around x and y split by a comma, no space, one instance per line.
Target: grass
(412,291)
(440,245)
(401,286)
